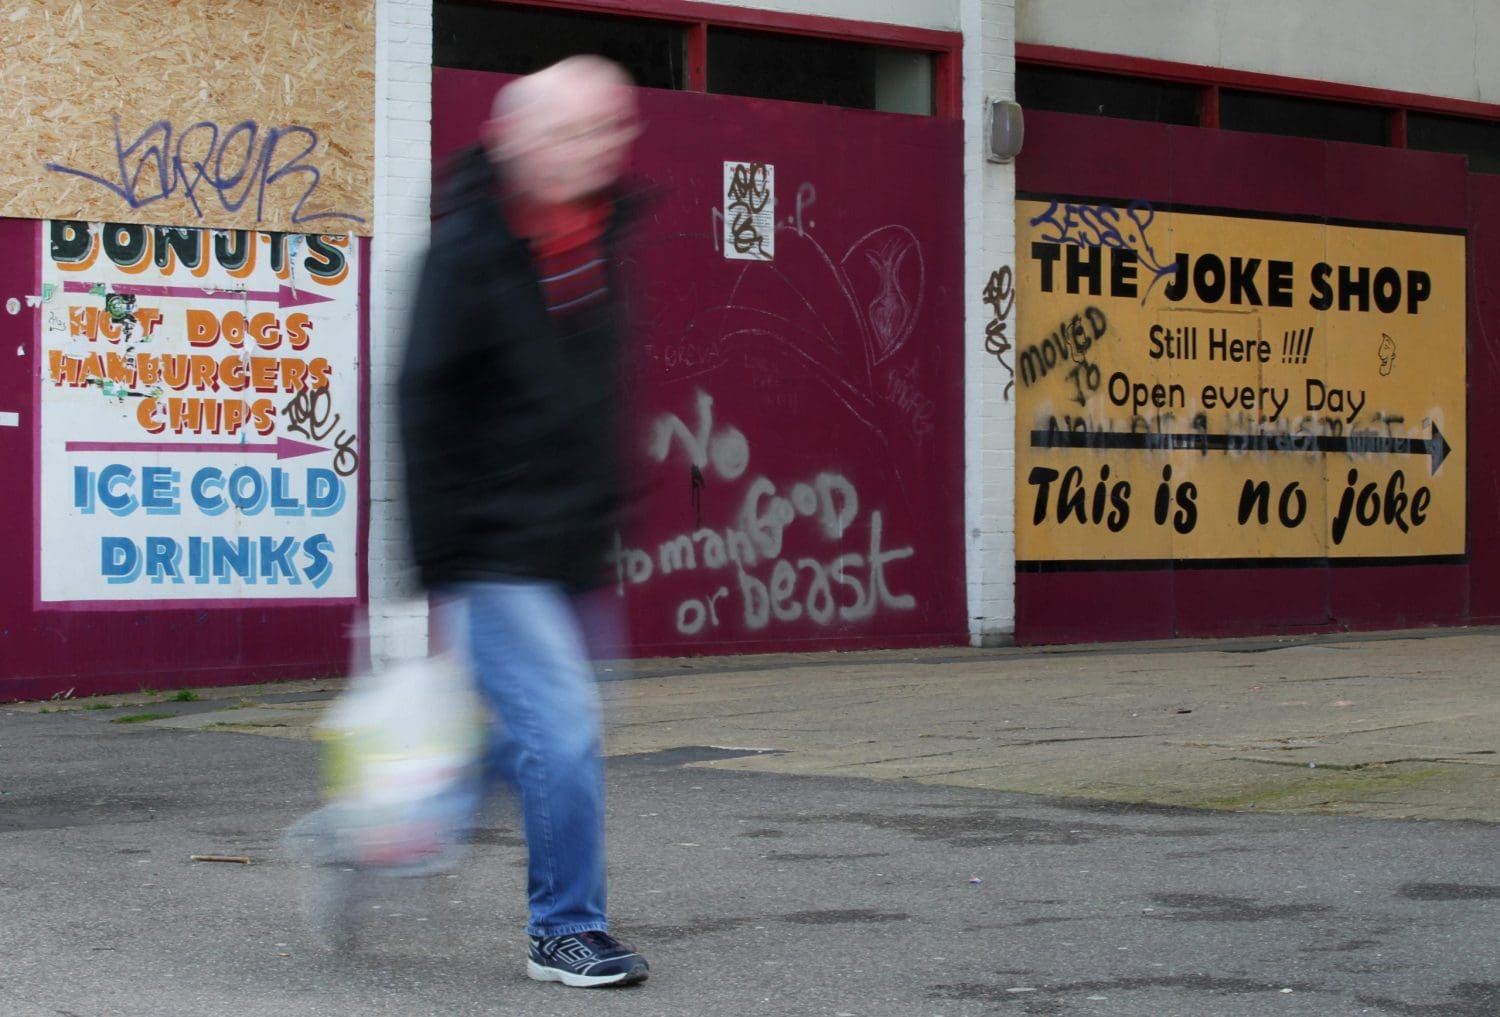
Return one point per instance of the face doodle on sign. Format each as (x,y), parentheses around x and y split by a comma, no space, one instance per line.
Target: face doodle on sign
(1387,355)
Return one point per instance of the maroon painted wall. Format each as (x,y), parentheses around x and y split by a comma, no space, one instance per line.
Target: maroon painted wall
(1484,399)
(807,411)
(46,650)
(1109,159)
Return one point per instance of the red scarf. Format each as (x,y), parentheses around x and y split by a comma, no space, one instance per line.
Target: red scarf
(567,248)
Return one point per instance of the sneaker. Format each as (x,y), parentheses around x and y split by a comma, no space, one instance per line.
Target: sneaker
(332,885)
(585,960)
(330,905)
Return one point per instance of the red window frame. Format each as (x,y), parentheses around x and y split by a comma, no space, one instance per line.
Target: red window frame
(1213,79)
(945,47)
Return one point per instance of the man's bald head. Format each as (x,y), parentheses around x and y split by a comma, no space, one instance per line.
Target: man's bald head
(564,133)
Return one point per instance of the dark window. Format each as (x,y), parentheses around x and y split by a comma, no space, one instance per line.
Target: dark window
(806,69)
(1301,118)
(1478,139)
(1107,95)
(512,40)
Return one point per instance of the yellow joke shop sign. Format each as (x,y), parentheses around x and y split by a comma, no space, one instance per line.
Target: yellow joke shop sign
(1200,386)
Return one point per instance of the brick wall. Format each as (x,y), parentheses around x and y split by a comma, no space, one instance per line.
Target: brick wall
(989,211)
(403,177)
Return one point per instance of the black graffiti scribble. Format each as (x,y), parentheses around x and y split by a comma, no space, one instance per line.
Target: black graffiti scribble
(307,415)
(749,193)
(233,165)
(1000,295)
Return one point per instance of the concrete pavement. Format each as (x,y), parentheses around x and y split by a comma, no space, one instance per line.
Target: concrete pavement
(1394,725)
(783,883)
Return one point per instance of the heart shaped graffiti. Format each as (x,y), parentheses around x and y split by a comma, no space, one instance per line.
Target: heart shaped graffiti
(895,255)
(840,319)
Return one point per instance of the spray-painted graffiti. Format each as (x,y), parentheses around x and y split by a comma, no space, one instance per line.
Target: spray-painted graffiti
(1068,343)
(770,582)
(1000,295)
(807,197)
(1102,226)
(308,414)
(726,449)
(204,159)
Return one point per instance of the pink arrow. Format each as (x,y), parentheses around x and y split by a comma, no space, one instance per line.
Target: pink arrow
(284,448)
(282,296)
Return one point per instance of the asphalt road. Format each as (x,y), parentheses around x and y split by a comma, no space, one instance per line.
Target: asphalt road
(750,892)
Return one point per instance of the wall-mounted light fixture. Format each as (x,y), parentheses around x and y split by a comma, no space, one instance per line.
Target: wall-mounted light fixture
(1006,130)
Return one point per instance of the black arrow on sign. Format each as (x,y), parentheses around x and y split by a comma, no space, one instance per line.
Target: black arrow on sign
(1436,447)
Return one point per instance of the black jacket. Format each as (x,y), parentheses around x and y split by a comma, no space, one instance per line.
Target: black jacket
(508,415)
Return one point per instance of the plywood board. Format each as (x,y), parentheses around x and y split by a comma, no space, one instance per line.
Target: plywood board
(254,114)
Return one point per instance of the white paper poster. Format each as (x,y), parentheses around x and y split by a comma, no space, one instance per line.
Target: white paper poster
(749,211)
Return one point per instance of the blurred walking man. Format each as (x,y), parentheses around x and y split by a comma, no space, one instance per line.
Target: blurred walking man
(508,425)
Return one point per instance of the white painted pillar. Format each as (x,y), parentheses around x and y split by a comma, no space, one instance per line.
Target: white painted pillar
(989,411)
(403,181)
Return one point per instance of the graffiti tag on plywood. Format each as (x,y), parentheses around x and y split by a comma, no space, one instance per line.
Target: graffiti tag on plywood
(243,169)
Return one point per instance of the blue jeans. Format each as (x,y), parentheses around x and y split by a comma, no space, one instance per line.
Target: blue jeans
(526,649)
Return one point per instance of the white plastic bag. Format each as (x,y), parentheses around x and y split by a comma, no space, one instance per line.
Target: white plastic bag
(400,751)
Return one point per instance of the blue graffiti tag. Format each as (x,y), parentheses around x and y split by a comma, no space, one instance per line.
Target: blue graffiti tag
(155,166)
(1102,226)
